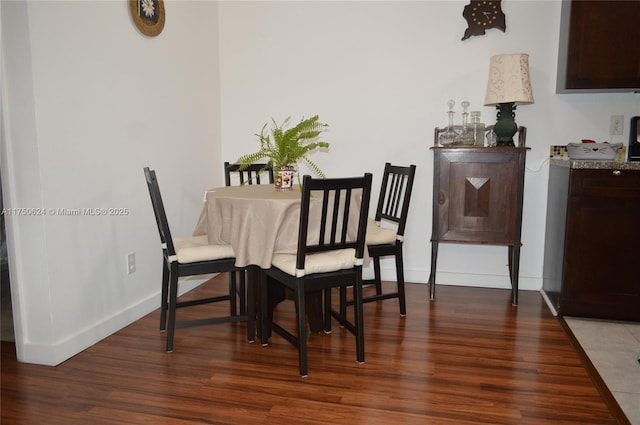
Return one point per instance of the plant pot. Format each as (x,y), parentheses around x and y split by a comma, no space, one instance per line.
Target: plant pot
(284,178)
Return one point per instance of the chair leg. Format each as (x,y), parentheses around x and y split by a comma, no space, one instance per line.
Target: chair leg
(233,309)
(377,276)
(173,300)
(302,330)
(242,291)
(359,320)
(400,279)
(164,295)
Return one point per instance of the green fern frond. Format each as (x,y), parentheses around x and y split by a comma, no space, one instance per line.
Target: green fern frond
(312,166)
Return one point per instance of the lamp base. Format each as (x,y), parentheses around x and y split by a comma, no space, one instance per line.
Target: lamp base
(505,127)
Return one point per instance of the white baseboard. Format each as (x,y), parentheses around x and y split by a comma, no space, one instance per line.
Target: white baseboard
(54,354)
(549,303)
(525,283)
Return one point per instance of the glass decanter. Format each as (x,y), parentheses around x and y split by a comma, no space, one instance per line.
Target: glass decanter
(465,136)
(477,128)
(447,137)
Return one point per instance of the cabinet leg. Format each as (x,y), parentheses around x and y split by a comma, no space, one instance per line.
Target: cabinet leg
(514,271)
(432,276)
(510,263)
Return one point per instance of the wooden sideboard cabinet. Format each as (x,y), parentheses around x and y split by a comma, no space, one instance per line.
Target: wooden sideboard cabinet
(477,199)
(592,239)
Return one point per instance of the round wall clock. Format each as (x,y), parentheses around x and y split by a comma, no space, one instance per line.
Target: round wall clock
(482,15)
(148,15)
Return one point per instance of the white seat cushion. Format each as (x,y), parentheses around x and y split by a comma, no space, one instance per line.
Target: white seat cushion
(197,248)
(316,263)
(377,235)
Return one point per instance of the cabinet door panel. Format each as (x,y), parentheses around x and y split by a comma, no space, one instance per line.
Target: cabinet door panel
(602,275)
(478,197)
(603,45)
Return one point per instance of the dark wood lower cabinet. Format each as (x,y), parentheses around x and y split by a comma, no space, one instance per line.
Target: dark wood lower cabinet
(592,240)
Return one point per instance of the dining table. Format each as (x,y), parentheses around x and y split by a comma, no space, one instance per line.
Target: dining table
(259,221)
(256,220)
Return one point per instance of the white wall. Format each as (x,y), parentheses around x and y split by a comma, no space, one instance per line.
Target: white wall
(380,73)
(88,102)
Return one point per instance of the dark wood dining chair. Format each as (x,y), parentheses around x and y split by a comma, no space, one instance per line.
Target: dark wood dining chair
(251,174)
(257,173)
(383,240)
(329,255)
(192,256)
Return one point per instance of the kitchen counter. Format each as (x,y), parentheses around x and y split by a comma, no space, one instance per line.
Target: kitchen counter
(596,165)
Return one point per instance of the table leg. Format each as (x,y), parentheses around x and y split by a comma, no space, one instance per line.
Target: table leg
(277,293)
(313,307)
(314,311)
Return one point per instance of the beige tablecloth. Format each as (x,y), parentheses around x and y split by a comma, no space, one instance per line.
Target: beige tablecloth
(257,221)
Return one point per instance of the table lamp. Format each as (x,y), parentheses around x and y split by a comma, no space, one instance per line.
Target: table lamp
(508,87)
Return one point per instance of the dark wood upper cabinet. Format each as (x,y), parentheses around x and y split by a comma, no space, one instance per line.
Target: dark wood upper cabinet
(599,46)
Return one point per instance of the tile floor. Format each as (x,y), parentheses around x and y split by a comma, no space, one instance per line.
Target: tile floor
(614,349)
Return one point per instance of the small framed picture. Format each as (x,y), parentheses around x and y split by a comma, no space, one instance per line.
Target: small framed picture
(633,152)
(148,16)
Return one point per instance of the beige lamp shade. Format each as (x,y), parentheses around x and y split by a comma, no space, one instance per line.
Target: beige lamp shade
(509,80)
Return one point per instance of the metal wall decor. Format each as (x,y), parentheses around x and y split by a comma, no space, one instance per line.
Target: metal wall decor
(148,15)
(482,15)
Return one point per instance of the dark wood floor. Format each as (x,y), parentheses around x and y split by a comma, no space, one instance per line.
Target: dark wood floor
(467,358)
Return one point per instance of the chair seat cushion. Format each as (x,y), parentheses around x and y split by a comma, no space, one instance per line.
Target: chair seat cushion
(377,235)
(197,248)
(322,262)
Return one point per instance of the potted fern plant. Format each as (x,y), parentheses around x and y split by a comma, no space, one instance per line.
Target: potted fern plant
(284,147)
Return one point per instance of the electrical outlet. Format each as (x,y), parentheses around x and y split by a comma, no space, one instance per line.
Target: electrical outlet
(131,263)
(615,125)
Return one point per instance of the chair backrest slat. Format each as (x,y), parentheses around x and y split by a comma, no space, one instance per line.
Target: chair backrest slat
(323,223)
(345,215)
(334,216)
